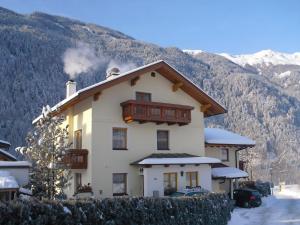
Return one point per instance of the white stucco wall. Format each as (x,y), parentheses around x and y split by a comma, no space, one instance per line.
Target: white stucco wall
(154,179)
(141,138)
(80,117)
(215,152)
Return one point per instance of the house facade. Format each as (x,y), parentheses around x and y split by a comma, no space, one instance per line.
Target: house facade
(13,174)
(138,133)
(226,145)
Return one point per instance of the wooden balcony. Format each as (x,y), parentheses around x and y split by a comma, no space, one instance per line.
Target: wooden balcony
(76,158)
(156,112)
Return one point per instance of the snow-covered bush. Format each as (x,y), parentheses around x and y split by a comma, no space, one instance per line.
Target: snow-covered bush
(210,209)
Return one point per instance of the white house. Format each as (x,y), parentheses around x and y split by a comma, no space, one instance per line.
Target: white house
(226,145)
(13,174)
(139,133)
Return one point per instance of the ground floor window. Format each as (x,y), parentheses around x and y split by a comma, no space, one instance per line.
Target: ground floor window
(119,184)
(77,182)
(170,183)
(191,179)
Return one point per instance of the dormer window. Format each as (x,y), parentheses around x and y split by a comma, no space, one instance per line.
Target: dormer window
(143,96)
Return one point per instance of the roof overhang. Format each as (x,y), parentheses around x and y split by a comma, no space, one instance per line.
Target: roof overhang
(177,161)
(4,144)
(15,164)
(228,173)
(163,68)
(216,137)
(237,146)
(7,155)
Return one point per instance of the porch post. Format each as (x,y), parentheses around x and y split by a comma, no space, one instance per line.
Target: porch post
(231,188)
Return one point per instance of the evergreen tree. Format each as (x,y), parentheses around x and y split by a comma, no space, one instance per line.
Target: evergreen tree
(47,145)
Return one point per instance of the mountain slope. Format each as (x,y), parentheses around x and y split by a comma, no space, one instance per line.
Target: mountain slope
(39,52)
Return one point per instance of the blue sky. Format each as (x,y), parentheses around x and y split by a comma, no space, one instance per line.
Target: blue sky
(233,26)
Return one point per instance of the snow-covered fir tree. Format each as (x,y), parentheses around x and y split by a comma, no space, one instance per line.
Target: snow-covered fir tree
(46,147)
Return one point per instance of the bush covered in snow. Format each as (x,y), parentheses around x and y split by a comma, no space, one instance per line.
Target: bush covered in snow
(210,209)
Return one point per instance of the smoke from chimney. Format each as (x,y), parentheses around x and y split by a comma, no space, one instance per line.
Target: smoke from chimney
(81,59)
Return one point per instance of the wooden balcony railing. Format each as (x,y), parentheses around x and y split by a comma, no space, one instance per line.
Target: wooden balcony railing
(76,158)
(156,112)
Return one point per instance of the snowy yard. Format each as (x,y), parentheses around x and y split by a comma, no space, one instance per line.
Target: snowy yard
(282,208)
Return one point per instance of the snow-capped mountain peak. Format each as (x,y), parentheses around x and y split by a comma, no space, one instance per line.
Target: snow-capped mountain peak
(265,57)
(192,52)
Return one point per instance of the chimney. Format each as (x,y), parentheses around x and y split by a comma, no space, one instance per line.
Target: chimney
(112,73)
(71,88)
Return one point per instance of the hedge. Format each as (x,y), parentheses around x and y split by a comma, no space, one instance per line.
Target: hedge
(210,209)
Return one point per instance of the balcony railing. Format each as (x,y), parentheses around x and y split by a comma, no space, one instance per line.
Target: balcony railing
(156,112)
(76,158)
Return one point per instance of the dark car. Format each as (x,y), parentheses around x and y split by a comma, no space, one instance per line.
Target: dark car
(247,197)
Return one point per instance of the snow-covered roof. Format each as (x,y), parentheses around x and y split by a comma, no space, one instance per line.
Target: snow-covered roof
(25,191)
(228,172)
(4,143)
(15,164)
(178,161)
(119,77)
(7,181)
(12,157)
(219,136)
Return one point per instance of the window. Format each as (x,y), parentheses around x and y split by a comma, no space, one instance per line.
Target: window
(170,183)
(224,154)
(78,139)
(119,184)
(191,179)
(162,140)
(119,138)
(77,182)
(142,96)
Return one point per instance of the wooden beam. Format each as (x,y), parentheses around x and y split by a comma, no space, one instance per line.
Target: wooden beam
(134,80)
(96,95)
(204,108)
(177,85)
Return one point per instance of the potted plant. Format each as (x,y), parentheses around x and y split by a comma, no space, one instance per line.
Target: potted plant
(84,191)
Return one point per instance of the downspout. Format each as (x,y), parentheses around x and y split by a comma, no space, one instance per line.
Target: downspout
(236,151)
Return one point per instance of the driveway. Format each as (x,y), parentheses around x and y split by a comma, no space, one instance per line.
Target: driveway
(281,208)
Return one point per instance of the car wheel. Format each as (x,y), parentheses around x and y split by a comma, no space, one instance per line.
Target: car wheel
(246,205)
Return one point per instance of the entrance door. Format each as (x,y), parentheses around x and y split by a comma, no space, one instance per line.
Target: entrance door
(170,183)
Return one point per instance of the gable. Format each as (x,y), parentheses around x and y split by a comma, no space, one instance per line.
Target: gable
(208,105)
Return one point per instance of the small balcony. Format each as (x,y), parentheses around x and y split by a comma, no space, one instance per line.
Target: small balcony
(76,158)
(142,112)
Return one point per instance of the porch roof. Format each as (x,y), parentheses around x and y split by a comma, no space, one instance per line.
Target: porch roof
(228,172)
(175,159)
(8,164)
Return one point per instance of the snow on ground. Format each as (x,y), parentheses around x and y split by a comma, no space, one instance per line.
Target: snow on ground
(282,208)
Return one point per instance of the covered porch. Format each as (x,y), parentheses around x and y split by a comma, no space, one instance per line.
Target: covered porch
(164,174)
(225,178)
